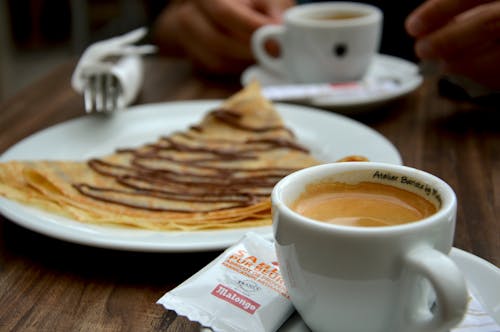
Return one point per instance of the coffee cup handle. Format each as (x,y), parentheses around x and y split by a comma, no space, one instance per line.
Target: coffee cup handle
(448,284)
(259,39)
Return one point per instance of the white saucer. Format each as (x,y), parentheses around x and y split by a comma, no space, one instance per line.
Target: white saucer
(404,73)
(483,280)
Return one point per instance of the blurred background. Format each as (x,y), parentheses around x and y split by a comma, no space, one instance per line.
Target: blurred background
(37,35)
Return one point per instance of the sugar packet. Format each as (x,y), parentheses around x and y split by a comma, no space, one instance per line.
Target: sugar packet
(241,290)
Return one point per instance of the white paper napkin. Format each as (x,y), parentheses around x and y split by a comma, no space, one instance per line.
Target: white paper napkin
(370,88)
(101,57)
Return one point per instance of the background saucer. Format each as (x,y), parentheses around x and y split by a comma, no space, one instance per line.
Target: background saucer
(404,73)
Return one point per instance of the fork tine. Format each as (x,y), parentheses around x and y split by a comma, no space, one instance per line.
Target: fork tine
(111,93)
(89,94)
(100,95)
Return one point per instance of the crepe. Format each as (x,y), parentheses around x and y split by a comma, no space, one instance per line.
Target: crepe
(216,174)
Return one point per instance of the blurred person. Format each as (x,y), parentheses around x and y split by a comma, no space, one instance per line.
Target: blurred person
(215,35)
(462,37)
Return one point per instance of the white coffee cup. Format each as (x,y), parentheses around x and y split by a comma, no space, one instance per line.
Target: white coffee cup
(322,42)
(376,279)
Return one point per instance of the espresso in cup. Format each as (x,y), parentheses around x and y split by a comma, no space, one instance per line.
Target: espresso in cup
(365,204)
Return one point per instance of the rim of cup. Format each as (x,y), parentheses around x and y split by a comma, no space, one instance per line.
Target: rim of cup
(307,14)
(447,194)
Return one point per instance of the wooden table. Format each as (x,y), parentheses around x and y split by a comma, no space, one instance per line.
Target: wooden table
(51,285)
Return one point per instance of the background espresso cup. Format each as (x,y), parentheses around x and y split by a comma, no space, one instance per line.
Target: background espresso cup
(378,279)
(322,42)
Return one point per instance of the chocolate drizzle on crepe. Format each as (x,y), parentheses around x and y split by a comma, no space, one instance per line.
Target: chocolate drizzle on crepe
(216,173)
(233,119)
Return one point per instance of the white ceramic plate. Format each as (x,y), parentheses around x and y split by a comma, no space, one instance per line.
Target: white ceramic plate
(327,135)
(404,73)
(483,280)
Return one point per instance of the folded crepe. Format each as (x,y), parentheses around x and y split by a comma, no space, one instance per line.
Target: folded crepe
(216,174)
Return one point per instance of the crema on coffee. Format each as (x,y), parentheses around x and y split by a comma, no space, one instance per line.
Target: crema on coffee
(366,204)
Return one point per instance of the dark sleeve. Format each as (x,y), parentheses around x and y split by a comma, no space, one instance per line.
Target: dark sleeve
(395,40)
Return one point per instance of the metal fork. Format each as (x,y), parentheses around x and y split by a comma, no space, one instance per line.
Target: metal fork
(102,93)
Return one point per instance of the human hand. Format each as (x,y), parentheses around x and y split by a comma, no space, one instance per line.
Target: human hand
(463,37)
(216,34)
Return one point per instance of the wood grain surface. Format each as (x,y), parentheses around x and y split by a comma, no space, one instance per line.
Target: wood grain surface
(51,285)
